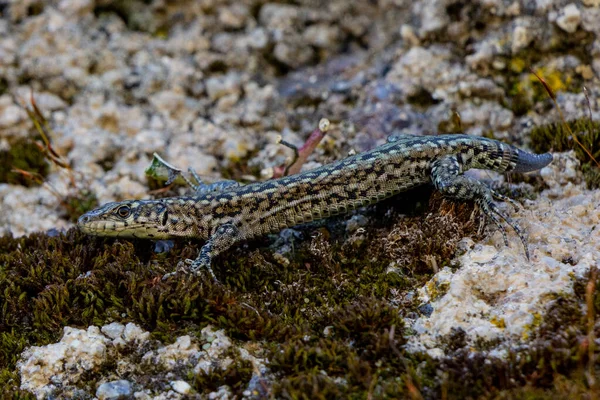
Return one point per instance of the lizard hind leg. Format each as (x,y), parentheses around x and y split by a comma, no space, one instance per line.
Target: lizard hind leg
(447,178)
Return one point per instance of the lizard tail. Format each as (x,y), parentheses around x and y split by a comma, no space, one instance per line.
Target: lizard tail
(527,162)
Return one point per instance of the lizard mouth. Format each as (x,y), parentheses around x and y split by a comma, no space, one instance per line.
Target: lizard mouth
(106,227)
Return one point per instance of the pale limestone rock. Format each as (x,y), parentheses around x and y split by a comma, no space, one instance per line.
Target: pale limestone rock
(10,113)
(19,204)
(55,369)
(174,354)
(278,16)
(521,38)
(76,8)
(591,3)
(234,16)
(113,330)
(181,387)
(219,86)
(322,35)
(78,352)
(115,390)
(497,293)
(569,18)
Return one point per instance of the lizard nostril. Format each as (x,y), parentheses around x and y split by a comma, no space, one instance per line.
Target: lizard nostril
(83,219)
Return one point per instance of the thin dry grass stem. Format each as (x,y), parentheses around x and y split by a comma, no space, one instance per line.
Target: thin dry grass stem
(590,292)
(302,153)
(562,118)
(457,120)
(43,128)
(33,176)
(162,190)
(78,184)
(39,179)
(587,98)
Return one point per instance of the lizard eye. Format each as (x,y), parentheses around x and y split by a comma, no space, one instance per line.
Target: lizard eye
(124,211)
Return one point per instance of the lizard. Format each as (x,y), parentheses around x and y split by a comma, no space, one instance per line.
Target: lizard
(226,212)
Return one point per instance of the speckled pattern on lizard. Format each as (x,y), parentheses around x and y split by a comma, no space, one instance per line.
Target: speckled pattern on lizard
(225,214)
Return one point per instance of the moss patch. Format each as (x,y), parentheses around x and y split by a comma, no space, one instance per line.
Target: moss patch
(525,89)
(23,155)
(556,137)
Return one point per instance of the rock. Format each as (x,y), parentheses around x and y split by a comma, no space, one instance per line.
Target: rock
(278,16)
(293,53)
(234,16)
(591,3)
(322,35)
(10,113)
(113,330)
(44,369)
(257,39)
(181,387)
(219,86)
(76,7)
(497,293)
(569,18)
(133,333)
(521,38)
(115,390)
(56,370)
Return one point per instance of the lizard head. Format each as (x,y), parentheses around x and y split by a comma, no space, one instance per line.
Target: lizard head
(128,219)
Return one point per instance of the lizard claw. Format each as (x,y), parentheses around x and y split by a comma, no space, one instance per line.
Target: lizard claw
(200,263)
(179,269)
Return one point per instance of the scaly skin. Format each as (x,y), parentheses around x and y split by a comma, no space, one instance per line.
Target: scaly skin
(224,214)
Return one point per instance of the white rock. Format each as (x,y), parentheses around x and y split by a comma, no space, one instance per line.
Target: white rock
(76,7)
(521,38)
(115,390)
(113,330)
(257,39)
(223,393)
(569,18)
(278,16)
(10,113)
(219,86)
(234,16)
(55,369)
(497,293)
(181,387)
(321,35)
(78,351)
(174,354)
(133,333)
(591,3)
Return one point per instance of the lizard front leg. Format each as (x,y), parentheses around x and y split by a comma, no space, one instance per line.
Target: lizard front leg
(447,178)
(223,238)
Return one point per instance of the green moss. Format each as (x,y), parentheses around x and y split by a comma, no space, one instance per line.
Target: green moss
(84,201)
(557,137)
(24,155)
(236,376)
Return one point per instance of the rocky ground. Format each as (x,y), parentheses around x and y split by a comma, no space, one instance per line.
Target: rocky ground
(411,298)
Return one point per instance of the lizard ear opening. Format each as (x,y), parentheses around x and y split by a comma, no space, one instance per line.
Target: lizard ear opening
(165,217)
